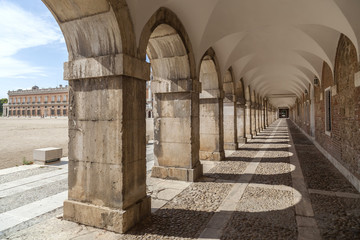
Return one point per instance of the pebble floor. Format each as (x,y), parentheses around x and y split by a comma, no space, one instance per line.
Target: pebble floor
(265,210)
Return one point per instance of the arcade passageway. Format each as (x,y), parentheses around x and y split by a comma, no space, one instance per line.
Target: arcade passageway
(221,71)
(278,186)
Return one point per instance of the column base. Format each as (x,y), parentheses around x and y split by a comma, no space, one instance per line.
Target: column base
(249,136)
(212,156)
(242,140)
(230,146)
(181,174)
(254,133)
(111,219)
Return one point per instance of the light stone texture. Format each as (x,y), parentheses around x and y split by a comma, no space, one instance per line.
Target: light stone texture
(248,120)
(47,155)
(175,146)
(230,126)
(357,79)
(107,152)
(16,216)
(211,129)
(150,128)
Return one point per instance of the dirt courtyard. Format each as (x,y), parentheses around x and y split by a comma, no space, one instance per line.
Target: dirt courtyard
(20,136)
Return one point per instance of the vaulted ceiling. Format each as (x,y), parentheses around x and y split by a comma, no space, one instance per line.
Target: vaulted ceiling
(275,46)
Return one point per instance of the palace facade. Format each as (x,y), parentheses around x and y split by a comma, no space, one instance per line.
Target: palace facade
(38,102)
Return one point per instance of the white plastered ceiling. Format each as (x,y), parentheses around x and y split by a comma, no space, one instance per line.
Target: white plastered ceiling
(276,46)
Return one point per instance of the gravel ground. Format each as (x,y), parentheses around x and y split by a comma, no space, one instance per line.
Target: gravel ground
(227,170)
(263,214)
(337,218)
(185,216)
(20,136)
(276,172)
(23,174)
(318,172)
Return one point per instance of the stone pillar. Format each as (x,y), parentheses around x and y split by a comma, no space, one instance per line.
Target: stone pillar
(263,117)
(211,129)
(176,137)
(258,129)
(240,122)
(253,119)
(107,151)
(230,125)
(248,120)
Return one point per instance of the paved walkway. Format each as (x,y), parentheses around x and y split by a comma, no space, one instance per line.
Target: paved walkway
(278,186)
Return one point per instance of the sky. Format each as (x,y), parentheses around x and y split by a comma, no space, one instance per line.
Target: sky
(32,46)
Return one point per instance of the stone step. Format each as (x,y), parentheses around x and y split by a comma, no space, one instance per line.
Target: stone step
(31,179)
(17,169)
(27,212)
(32,185)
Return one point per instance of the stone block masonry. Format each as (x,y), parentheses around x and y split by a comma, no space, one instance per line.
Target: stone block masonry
(47,155)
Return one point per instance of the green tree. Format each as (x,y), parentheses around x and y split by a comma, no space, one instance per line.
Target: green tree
(2,101)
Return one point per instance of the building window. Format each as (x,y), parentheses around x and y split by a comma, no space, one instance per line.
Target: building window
(24,99)
(328,110)
(39,99)
(53,98)
(28,99)
(46,99)
(59,98)
(64,99)
(33,99)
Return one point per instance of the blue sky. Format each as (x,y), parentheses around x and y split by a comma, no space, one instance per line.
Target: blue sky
(32,47)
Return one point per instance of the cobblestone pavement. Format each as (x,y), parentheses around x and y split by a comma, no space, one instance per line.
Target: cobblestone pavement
(253,194)
(335,201)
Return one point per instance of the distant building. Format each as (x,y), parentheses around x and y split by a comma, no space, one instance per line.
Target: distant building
(38,102)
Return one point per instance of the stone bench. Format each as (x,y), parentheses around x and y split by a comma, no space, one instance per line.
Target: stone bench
(47,155)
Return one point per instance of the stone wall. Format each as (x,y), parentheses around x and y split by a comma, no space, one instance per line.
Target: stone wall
(346,106)
(343,141)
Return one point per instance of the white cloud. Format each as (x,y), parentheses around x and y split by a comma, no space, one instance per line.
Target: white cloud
(21,29)
(12,68)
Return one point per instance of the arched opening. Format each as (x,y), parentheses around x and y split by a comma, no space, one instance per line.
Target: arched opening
(107,168)
(211,110)
(175,106)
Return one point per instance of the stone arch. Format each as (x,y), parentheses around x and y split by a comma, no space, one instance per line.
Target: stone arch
(107,167)
(345,61)
(83,23)
(209,71)
(211,109)
(166,17)
(240,91)
(229,85)
(165,42)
